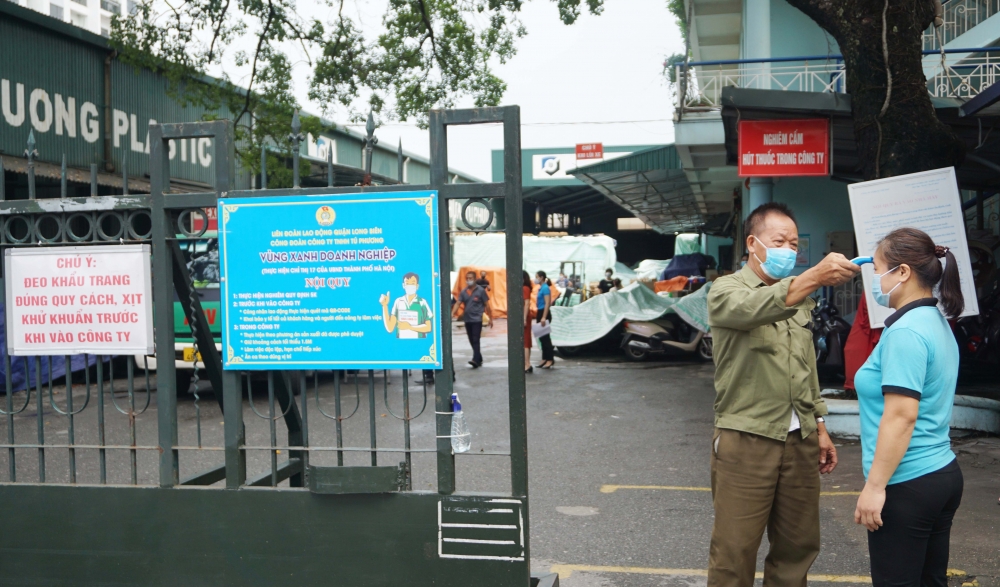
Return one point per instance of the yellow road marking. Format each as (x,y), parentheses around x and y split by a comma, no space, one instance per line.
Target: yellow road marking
(565,571)
(614,488)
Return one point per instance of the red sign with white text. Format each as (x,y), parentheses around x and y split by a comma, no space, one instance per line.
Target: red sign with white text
(590,151)
(772,148)
(213,220)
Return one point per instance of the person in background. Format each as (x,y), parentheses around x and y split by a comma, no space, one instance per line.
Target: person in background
(770,443)
(529,316)
(618,284)
(562,281)
(606,284)
(906,390)
(544,305)
(743,260)
(484,283)
(473,301)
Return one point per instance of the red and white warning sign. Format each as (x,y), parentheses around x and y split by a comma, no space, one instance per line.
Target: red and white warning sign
(72,300)
(589,151)
(772,148)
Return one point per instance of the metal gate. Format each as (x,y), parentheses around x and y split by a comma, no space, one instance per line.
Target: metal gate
(100,490)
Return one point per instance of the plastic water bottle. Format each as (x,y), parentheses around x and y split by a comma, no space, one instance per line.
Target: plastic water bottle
(461,438)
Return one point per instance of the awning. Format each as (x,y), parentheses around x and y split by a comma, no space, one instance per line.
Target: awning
(651,185)
(582,201)
(51,171)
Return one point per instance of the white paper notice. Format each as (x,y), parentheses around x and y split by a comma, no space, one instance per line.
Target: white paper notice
(73,300)
(928,200)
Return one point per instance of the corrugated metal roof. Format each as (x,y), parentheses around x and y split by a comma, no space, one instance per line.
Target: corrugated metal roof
(74,68)
(664,157)
(650,184)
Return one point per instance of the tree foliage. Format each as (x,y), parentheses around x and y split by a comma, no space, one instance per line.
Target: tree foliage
(425,54)
(895,125)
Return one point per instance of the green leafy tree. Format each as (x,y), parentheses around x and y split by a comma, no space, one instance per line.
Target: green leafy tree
(895,124)
(426,54)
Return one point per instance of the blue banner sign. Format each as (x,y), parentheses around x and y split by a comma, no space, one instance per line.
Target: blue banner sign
(331,282)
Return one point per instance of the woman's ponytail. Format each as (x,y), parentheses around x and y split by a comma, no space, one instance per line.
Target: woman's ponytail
(915,248)
(950,287)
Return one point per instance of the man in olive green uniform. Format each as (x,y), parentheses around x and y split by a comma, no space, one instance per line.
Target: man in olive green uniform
(770,442)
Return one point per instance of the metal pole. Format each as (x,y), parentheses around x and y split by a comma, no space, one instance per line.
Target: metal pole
(296,138)
(329,165)
(31,153)
(263,167)
(515,304)
(163,294)
(93,180)
(125,179)
(400,163)
(3,182)
(370,141)
(232,384)
(444,384)
(62,177)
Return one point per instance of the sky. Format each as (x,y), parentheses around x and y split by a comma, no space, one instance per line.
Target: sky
(603,68)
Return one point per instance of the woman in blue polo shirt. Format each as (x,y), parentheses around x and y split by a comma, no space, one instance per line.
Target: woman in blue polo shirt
(544,317)
(905,392)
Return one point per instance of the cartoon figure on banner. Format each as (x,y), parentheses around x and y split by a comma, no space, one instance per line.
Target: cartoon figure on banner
(410,316)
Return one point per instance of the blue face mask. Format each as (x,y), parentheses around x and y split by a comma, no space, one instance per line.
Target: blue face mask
(881,298)
(779,263)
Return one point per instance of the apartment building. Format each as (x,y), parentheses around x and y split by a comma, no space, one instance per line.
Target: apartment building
(92,15)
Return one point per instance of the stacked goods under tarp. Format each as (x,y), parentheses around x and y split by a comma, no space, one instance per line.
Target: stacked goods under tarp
(497,276)
(651,268)
(593,319)
(625,273)
(541,253)
(686,244)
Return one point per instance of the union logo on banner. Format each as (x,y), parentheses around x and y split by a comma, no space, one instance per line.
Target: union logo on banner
(325,216)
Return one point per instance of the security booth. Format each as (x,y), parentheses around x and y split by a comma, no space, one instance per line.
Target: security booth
(280,478)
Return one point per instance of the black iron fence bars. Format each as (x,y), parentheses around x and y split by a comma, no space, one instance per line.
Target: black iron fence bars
(107,428)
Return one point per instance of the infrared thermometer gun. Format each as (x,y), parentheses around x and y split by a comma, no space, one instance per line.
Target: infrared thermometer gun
(862,260)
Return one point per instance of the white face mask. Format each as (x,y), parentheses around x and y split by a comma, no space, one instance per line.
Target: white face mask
(469,282)
(410,289)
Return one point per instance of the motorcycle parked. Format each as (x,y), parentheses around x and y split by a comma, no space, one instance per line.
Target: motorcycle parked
(979,336)
(829,337)
(667,334)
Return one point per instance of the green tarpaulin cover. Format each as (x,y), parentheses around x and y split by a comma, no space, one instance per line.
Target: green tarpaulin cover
(597,316)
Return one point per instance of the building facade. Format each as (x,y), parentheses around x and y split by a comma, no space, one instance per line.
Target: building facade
(766,60)
(92,15)
(64,86)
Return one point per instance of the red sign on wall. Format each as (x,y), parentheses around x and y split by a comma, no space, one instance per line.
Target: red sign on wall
(772,148)
(590,151)
(213,220)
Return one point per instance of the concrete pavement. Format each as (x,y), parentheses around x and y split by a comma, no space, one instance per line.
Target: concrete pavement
(618,456)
